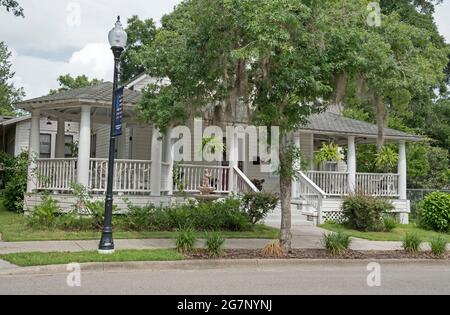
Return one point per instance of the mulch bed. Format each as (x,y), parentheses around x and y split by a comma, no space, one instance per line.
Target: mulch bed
(201,254)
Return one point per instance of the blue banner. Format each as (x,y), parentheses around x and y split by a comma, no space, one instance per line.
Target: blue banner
(118,106)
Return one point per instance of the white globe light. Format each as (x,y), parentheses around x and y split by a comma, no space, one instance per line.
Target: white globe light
(117,36)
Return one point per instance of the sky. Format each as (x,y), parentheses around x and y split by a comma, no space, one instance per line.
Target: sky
(70,36)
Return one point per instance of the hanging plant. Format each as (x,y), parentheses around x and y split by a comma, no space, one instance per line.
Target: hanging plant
(212,145)
(328,153)
(386,160)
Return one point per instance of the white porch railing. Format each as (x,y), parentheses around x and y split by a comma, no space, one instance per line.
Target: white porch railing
(242,182)
(130,176)
(382,185)
(332,183)
(56,174)
(190,178)
(311,193)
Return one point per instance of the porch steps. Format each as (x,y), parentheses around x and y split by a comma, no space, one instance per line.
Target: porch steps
(298,218)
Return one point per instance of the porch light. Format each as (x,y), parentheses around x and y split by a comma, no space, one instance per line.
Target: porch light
(117,36)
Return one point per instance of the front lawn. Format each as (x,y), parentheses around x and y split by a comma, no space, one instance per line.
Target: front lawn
(14,228)
(42,259)
(395,235)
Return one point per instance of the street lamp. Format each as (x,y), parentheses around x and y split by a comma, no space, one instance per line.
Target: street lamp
(117,39)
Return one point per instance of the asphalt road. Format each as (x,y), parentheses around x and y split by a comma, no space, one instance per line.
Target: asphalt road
(305,278)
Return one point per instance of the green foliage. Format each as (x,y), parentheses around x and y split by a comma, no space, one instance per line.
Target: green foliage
(434,211)
(214,244)
(12,6)
(208,216)
(259,205)
(9,94)
(386,160)
(16,184)
(439,246)
(336,243)
(329,152)
(185,241)
(427,167)
(212,145)
(365,213)
(390,223)
(67,82)
(411,243)
(45,215)
(141,33)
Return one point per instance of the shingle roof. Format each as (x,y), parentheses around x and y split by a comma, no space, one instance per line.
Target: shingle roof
(101,92)
(338,124)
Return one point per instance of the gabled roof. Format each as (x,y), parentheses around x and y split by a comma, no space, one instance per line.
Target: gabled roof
(332,123)
(97,93)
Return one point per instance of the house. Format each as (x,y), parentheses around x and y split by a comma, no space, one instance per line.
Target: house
(144,170)
(15,136)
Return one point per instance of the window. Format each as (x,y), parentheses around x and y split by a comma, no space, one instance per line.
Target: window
(68,140)
(93,145)
(45,146)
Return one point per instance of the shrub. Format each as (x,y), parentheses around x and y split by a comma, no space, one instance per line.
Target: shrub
(185,241)
(45,215)
(365,213)
(435,211)
(390,223)
(411,242)
(273,249)
(214,244)
(258,205)
(439,246)
(336,243)
(16,184)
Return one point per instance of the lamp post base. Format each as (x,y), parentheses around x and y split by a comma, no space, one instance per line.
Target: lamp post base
(106,251)
(106,245)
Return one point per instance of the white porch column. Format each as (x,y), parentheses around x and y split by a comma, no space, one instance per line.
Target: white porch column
(170,155)
(60,139)
(295,183)
(155,173)
(33,149)
(233,158)
(402,170)
(351,164)
(84,147)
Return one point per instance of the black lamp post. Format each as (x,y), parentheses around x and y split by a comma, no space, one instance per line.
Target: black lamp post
(117,39)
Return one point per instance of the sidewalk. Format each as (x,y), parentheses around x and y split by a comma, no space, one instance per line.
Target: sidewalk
(304,237)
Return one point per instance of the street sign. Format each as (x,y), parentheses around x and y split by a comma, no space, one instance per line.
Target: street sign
(118,106)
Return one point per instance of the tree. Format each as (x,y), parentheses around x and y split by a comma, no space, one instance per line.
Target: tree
(264,58)
(67,82)
(8,93)
(140,33)
(12,6)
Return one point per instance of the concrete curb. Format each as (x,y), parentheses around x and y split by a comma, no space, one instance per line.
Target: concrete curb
(206,264)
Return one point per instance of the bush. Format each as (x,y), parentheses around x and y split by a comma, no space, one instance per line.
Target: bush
(439,246)
(45,215)
(411,243)
(365,213)
(185,241)
(336,243)
(214,244)
(390,223)
(434,212)
(16,185)
(209,216)
(273,249)
(258,205)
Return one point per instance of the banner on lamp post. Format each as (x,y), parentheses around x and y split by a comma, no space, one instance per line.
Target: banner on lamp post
(118,106)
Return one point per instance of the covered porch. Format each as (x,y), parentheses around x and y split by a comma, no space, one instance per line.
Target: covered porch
(320,190)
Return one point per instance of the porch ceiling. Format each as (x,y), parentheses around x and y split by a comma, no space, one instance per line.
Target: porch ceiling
(337,127)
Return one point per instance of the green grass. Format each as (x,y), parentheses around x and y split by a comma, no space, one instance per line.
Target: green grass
(42,259)
(14,228)
(397,234)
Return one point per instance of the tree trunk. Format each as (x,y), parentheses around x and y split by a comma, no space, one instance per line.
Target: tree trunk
(382,115)
(285,194)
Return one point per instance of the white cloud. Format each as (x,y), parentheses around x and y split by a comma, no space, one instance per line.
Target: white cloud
(38,75)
